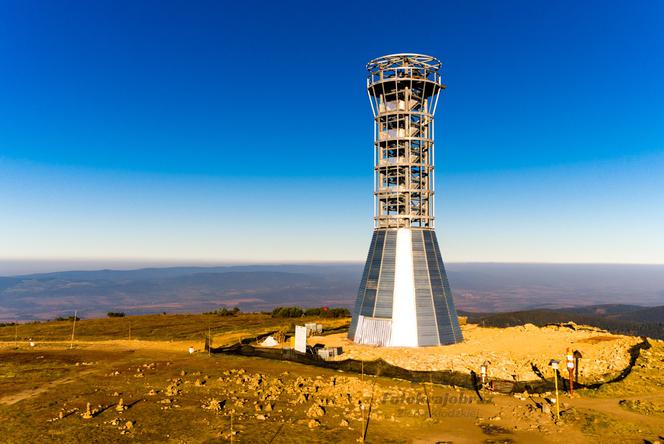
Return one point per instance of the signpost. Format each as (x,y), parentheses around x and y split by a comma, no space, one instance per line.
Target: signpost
(484,368)
(554,366)
(301,338)
(570,369)
(577,357)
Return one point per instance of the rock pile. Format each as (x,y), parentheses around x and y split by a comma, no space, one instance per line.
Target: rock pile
(214,404)
(120,407)
(91,413)
(173,388)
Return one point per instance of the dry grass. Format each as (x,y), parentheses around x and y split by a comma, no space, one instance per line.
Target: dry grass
(176,327)
(44,392)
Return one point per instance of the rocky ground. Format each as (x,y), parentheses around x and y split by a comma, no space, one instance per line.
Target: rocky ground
(512,352)
(155,391)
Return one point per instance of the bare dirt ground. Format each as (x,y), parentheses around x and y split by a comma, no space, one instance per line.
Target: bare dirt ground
(512,351)
(169,395)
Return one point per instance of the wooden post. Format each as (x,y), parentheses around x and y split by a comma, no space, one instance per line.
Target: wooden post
(555,375)
(576,369)
(427,396)
(231,427)
(570,369)
(362,429)
(73,329)
(16,335)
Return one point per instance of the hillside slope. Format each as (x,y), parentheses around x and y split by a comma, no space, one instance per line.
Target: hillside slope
(622,319)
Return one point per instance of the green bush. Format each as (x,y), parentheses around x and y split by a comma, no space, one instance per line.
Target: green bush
(312,312)
(323,312)
(287,312)
(225,311)
(112,314)
(339,313)
(326,312)
(69,318)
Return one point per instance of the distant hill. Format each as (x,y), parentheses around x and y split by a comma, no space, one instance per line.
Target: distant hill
(179,289)
(498,287)
(619,318)
(166,272)
(649,315)
(479,288)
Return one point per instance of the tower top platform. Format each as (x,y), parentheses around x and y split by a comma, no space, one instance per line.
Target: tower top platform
(403,60)
(395,72)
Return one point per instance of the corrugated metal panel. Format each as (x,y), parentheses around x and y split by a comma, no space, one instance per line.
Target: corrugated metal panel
(454,318)
(384,296)
(374,276)
(359,301)
(446,316)
(374,272)
(373,331)
(427,330)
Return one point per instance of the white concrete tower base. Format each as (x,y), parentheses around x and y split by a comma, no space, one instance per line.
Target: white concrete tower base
(404,317)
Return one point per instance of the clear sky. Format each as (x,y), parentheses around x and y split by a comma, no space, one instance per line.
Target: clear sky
(241,131)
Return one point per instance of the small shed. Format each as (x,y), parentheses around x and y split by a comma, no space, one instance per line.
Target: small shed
(313,328)
(329,352)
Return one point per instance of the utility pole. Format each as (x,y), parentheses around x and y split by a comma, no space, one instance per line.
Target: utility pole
(73,329)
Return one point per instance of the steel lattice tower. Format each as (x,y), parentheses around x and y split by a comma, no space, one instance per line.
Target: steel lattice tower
(404,297)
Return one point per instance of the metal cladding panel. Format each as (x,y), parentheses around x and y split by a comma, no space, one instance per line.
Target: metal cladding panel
(376,243)
(446,315)
(376,260)
(385,293)
(454,318)
(435,313)
(373,331)
(374,276)
(427,329)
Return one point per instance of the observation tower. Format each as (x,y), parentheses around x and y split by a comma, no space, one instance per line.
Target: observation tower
(404,298)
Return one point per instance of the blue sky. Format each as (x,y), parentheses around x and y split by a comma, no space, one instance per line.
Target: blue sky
(239,131)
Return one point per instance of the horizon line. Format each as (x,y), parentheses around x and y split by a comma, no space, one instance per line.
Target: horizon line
(135,264)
